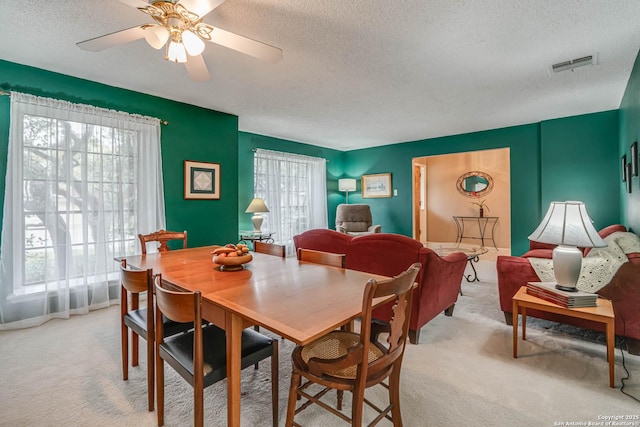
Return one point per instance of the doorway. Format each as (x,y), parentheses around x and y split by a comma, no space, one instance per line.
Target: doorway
(437,198)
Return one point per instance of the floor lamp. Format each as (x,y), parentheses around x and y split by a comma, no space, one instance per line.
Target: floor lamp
(347,184)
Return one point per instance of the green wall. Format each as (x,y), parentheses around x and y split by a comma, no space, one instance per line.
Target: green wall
(193,133)
(568,159)
(394,214)
(580,162)
(247,142)
(630,132)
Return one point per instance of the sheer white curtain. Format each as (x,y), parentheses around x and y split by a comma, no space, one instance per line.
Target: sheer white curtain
(294,188)
(81,183)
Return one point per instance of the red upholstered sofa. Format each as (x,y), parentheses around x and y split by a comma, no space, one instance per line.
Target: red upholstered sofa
(623,290)
(439,278)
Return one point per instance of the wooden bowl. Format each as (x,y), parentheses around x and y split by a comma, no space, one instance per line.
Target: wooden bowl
(232,263)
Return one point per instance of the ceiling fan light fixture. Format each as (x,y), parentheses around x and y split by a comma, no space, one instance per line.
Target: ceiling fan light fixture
(176,52)
(192,43)
(156,35)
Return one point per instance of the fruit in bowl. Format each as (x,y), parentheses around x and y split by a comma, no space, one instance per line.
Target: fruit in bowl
(231,257)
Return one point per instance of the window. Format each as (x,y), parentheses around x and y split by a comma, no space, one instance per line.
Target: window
(77,177)
(295,191)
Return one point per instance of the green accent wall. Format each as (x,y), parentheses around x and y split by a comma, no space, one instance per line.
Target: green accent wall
(193,133)
(630,132)
(580,162)
(570,159)
(395,213)
(562,159)
(247,142)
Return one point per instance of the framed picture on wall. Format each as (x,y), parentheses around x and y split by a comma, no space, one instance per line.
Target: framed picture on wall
(628,177)
(376,185)
(201,180)
(624,168)
(634,158)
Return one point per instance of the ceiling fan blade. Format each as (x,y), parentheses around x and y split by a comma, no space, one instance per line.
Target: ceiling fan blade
(113,39)
(135,3)
(200,7)
(246,45)
(197,68)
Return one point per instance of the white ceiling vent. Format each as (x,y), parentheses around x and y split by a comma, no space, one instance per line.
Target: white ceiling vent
(574,63)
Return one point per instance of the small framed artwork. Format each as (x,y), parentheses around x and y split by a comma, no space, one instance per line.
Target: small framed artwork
(623,161)
(628,177)
(201,180)
(376,185)
(634,158)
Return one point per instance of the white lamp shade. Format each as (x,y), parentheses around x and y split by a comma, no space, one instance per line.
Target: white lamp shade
(257,205)
(192,43)
(347,184)
(567,223)
(156,35)
(176,52)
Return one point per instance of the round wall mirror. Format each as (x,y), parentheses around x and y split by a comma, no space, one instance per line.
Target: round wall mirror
(475,184)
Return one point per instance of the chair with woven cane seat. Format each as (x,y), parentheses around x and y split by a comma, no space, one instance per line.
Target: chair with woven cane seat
(132,284)
(200,356)
(350,361)
(319,257)
(162,237)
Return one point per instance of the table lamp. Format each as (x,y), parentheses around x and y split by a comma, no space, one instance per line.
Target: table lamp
(567,225)
(347,184)
(257,207)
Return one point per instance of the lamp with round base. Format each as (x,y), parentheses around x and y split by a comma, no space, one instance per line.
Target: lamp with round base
(256,207)
(567,224)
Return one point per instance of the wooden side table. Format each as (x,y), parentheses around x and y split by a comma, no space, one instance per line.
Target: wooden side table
(602,313)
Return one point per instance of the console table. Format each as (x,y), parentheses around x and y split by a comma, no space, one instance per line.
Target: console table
(253,236)
(486,226)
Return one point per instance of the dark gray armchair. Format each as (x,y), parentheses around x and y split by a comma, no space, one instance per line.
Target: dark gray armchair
(355,220)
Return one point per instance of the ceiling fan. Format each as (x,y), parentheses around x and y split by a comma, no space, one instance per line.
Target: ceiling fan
(179,28)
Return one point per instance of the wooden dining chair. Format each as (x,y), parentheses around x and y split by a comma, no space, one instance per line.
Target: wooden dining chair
(162,237)
(200,356)
(319,257)
(140,322)
(349,361)
(270,249)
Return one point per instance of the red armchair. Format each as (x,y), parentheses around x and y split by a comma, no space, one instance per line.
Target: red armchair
(514,272)
(439,278)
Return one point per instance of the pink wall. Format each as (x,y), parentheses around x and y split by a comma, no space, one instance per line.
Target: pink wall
(444,200)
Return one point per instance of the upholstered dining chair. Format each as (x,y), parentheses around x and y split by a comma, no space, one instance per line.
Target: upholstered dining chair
(162,237)
(270,249)
(200,356)
(349,361)
(140,322)
(319,257)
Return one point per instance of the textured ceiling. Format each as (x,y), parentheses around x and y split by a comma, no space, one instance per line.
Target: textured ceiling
(358,73)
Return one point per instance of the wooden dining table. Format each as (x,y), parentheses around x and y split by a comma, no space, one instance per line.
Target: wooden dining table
(297,300)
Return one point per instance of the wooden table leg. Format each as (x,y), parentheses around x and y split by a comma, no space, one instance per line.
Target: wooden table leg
(234,357)
(610,351)
(514,321)
(524,323)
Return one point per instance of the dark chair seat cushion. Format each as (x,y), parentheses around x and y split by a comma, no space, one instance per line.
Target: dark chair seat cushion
(137,321)
(178,352)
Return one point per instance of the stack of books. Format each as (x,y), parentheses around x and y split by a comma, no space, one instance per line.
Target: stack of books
(548,292)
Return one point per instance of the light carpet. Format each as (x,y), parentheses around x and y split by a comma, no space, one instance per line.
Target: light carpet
(67,373)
